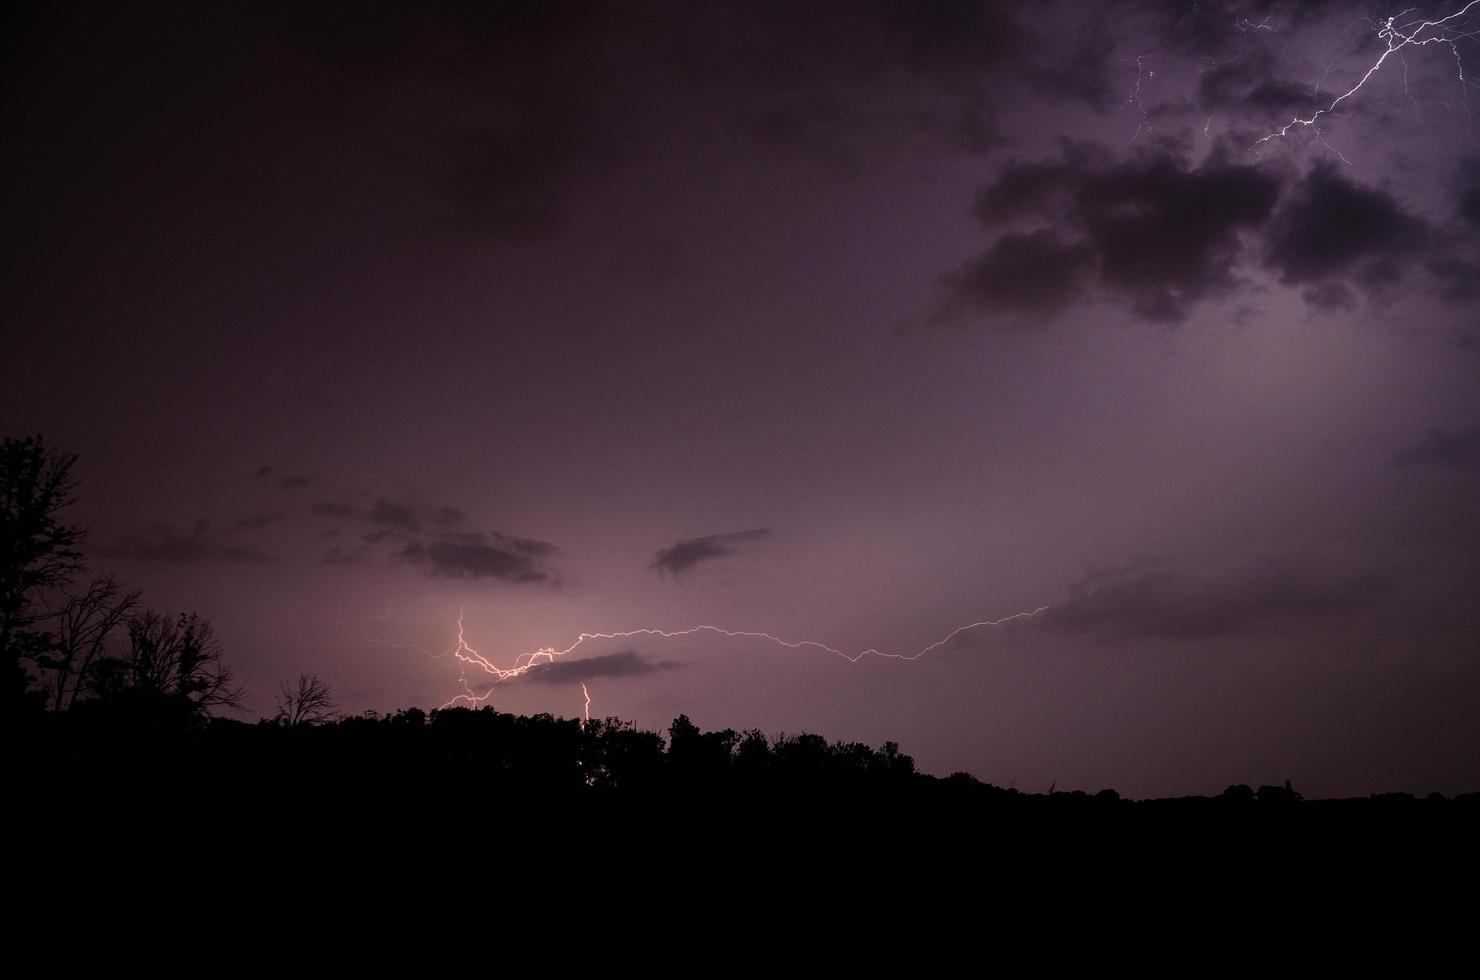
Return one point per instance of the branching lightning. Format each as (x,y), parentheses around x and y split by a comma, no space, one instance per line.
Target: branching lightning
(1397,35)
(1142,73)
(470,659)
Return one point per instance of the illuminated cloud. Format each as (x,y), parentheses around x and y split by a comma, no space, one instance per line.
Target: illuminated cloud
(626,663)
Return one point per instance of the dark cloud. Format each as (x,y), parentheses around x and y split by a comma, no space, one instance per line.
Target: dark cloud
(1034,273)
(627,663)
(1222,29)
(1329,226)
(165,543)
(975,128)
(543,86)
(817,128)
(512,181)
(339,555)
(1445,447)
(1163,235)
(789,46)
(1152,600)
(288,481)
(445,517)
(1330,296)
(1251,88)
(1468,192)
(394,515)
(551,97)
(1082,70)
(1152,229)
(256,521)
(942,36)
(429,535)
(387,40)
(481,555)
(684,555)
(1458,279)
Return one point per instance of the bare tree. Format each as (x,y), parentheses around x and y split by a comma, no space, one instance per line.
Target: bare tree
(84,625)
(309,703)
(171,657)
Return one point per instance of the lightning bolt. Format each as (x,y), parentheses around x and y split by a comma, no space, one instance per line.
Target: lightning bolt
(468,657)
(1396,38)
(1142,73)
(587,708)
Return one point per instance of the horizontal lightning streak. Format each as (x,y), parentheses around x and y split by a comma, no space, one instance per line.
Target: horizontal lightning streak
(525,662)
(467,656)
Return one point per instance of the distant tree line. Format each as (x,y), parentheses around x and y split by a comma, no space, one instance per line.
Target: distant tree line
(101,690)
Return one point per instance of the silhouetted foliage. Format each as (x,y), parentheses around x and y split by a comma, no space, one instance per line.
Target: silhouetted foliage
(38,551)
(619,756)
(501,765)
(99,648)
(1278,794)
(170,671)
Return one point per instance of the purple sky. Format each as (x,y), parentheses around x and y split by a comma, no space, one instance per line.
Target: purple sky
(847,322)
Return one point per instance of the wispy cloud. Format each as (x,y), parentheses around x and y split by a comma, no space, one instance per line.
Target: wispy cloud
(166,543)
(685,555)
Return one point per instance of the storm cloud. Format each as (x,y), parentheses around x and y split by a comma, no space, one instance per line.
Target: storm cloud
(1155,600)
(687,555)
(625,663)
(1331,226)
(201,542)
(480,555)
(608,273)
(1153,229)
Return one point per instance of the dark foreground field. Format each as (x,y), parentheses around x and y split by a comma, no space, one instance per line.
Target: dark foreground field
(511,769)
(410,828)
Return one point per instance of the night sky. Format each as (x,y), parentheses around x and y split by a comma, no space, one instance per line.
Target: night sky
(848,322)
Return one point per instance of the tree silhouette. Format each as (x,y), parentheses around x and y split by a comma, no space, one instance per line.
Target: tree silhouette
(309,703)
(171,668)
(83,627)
(37,551)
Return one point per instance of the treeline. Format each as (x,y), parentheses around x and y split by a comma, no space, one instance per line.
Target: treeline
(490,755)
(104,693)
(482,747)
